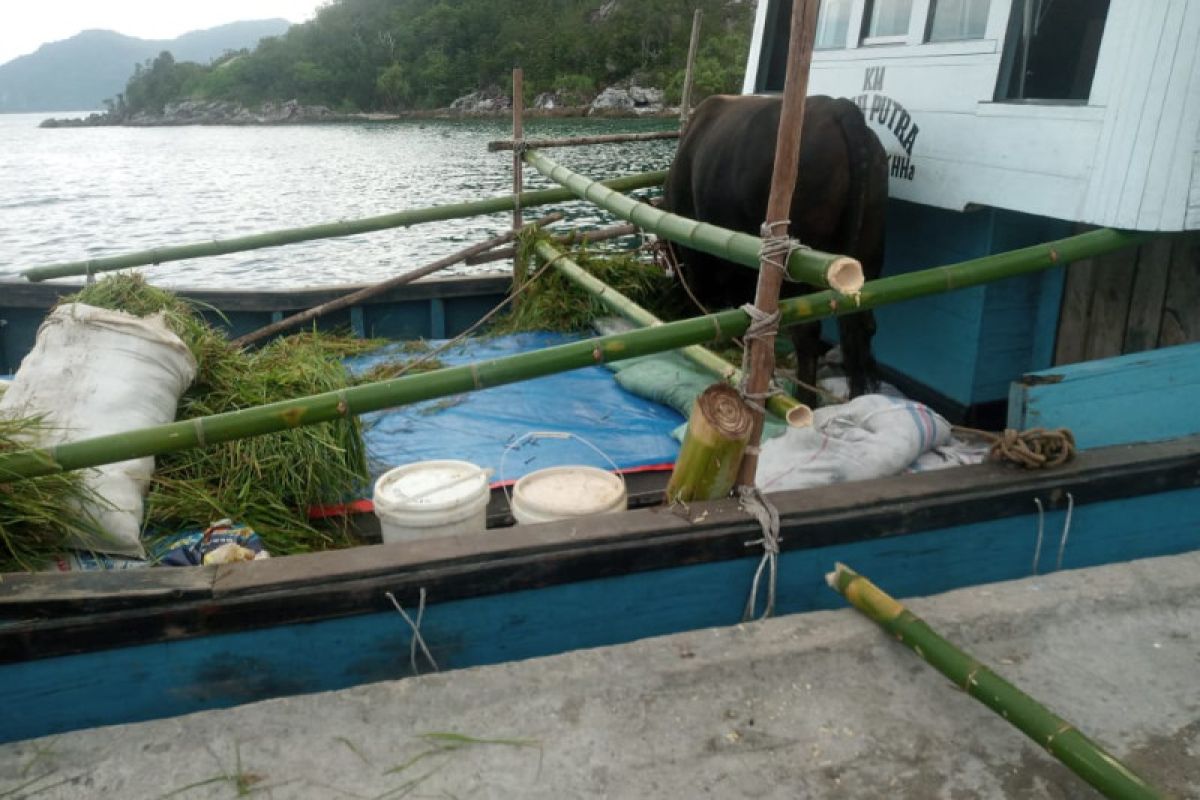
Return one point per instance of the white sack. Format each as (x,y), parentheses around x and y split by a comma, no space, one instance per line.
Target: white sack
(94,372)
(870,437)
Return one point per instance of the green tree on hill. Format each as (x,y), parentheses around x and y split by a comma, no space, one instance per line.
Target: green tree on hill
(391,54)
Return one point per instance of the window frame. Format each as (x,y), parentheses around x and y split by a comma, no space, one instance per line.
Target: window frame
(932,12)
(866,40)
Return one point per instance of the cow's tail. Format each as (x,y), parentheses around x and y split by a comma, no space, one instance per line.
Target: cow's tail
(857,329)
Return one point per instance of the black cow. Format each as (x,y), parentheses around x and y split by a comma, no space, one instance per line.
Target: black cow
(722,175)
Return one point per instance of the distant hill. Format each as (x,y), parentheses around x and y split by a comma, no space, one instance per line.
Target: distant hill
(79,73)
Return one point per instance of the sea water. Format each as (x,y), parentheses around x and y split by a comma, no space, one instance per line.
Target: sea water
(76,193)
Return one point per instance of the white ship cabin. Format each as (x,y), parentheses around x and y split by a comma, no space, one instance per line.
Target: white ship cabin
(1009,122)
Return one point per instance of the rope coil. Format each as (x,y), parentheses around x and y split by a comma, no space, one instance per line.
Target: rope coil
(1036,448)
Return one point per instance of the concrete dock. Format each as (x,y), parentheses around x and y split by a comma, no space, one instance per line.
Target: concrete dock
(814,705)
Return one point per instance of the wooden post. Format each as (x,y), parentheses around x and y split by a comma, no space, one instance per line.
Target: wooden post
(759,361)
(685,100)
(518,110)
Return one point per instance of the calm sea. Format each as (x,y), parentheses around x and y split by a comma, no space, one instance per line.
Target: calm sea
(68,194)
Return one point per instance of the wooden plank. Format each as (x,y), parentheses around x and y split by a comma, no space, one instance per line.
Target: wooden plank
(305,589)
(184,675)
(1181,311)
(1141,397)
(1149,293)
(1076,312)
(1110,304)
(41,594)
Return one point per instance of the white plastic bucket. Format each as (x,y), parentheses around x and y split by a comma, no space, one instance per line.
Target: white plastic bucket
(432,498)
(566,492)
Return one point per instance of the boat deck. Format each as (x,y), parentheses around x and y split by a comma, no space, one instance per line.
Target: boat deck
(813,705)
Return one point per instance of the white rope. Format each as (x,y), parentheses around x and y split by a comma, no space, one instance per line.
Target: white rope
(777,248)
(417,638)
(1037,549)
(762,326)
(1062,542)
(753,503)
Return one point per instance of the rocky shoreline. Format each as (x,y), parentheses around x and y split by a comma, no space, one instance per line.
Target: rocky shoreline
(615,101)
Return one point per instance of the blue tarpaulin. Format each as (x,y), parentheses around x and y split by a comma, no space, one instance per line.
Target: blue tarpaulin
(478,426)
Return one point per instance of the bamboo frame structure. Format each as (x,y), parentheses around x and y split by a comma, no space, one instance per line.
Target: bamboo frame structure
(366,293)
(718,432)
(759,360)
(1066,743)
(598,235)
(576,141)
(790,409)
(330,230)
(518,132)
(315,409)
(685,97)
(805,265)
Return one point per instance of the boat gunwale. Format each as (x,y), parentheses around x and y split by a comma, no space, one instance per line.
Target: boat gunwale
(47,615)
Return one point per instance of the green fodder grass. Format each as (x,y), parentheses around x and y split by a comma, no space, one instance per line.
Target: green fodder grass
(39,516)
(267,482)
(550,302)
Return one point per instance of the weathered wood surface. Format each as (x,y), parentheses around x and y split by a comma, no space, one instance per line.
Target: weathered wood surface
(49,617)
(1139,397)
(576,141)
(1131,301)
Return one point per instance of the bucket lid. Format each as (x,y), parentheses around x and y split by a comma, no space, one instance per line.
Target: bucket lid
(570,491)
(431,485)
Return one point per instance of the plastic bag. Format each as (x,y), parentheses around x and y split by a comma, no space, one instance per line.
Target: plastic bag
(94,372)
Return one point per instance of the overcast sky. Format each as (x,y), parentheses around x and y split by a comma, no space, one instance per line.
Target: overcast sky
(27,24)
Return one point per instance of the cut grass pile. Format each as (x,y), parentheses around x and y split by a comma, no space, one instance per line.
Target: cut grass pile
(267,482)
(38,516)
(550,302)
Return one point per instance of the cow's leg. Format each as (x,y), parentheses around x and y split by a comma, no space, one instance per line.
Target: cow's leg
(856,333)
(806,338)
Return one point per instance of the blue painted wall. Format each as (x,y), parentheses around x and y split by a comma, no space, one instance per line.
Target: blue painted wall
(967,345)
(139,683)
(1140,397)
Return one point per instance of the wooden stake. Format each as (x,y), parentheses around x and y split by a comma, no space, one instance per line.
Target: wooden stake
(717,434)
(518,110)
(354,298)
(759,363)
(685,100)
(575,141)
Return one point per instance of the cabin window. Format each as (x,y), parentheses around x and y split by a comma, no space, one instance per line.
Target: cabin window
(1051,50)
(833,23)
(887,21)
(955,20)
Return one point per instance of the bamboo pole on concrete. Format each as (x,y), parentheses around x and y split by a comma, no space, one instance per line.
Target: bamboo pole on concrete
(1083,756)
(330,230)
(354,298)
(804,266)
(791,410)
(759,360)
(320,408)
(518,119)
(598,235)
(575,141)
(685,99)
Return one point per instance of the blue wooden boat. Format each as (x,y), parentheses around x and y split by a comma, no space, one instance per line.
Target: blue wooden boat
(86,649)
(995,166)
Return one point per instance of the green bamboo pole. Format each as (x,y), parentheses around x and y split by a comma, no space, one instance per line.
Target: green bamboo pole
(329,230)
(806,266)
(718,432)
(1083,756)
(480,375)
(618,303)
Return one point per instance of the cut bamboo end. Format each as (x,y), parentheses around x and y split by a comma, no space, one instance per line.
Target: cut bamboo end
(717,434)
(845,275)
(799,417)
